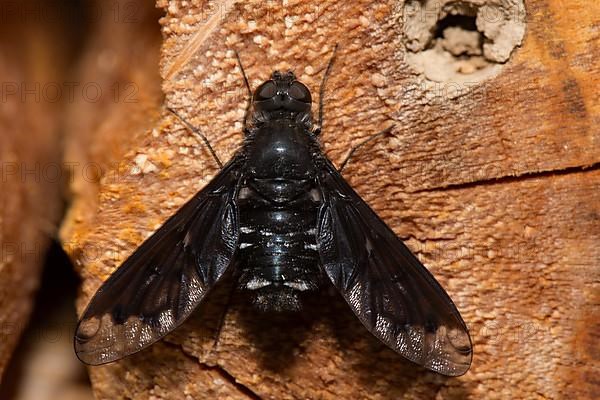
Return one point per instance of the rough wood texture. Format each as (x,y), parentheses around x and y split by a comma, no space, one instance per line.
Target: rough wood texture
(489,187)
(120,58)
(30,170)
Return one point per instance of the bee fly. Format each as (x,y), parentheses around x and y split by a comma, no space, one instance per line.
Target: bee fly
(281,218)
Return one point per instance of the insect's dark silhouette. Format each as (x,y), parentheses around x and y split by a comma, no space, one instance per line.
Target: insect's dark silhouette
(279,217)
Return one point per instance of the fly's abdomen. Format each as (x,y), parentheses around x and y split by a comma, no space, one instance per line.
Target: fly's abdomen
(278,255)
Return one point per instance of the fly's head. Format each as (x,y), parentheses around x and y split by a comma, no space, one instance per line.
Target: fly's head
(282,96)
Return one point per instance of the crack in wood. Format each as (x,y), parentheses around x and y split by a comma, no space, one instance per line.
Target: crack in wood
(231,379)
(511,178)
(199,38)
(226,375)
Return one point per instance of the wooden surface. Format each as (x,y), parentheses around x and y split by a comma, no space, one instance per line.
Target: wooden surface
(30,165)
(496,190)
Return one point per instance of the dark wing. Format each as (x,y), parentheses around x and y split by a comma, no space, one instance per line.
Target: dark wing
(387,287)
(162,282)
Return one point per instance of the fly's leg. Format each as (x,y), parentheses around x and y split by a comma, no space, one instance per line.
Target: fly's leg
(249,104)
(221,322)
(358,146)
(319,127)
(197,132)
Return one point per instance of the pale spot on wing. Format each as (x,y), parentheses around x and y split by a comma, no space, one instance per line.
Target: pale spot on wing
(369,245)
(315,195)
(195,292)
(244,193)
(88,328)
(444,351)
(187,239)
(114,340)
(310,246)
(166,318)
(100,340)
(354,298)
(384,326)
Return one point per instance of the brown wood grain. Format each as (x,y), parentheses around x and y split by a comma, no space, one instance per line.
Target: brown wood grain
(496,191)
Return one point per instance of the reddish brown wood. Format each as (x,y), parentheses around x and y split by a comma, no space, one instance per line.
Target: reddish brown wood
(496,190)
(30,165)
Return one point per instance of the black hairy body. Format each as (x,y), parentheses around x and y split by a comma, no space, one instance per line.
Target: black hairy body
(279,204)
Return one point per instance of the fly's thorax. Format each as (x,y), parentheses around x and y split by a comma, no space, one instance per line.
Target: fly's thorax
(280,191)
(281,149)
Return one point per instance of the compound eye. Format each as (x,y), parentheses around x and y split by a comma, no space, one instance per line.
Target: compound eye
(265,91)
(299,92)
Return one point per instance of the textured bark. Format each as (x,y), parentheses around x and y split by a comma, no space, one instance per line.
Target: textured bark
(495,188)
(121,59)
(30,169)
